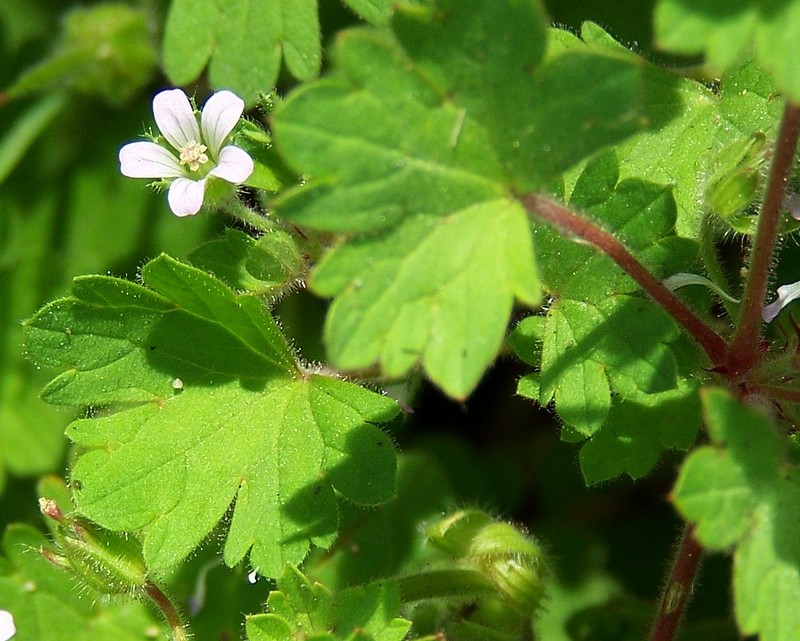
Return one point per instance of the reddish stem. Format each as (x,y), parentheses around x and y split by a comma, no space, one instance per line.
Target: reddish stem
(176,626)
(566,220)
(744,346)
(679,587)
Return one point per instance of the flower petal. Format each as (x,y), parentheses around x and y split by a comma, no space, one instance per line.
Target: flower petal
(793,205)
(185,196)
(148,160)
(235,165)
(7,627)
(220,115)
(786,294)
(175,118)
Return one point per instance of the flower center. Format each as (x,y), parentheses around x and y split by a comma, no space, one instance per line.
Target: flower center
(193,154)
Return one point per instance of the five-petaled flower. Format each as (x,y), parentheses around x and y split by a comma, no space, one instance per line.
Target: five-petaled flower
(200,152)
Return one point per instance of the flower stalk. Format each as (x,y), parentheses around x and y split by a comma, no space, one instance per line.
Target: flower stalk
(679,587)
(177,627)
(241,212)
(744,346)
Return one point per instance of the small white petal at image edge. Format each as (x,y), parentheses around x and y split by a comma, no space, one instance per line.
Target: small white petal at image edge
(7,627)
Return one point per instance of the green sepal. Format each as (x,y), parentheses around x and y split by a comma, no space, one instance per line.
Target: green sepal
(736,181)
(266,266)
(270,173)
(48,603)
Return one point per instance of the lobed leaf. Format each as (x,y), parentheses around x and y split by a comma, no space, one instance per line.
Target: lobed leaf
(300,609)
(689,123)
(637,431)
(437,127)
(725,32)
(206,406)
(743,491)
(607,356)
(244,40)
(418,303)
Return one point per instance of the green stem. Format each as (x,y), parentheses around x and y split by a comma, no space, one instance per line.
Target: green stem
(679,587)
(242,212)
(437,584)
(744,351)
(570,222)
(178,627)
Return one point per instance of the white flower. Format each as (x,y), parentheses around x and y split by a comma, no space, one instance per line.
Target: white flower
(7,627)
(199,151)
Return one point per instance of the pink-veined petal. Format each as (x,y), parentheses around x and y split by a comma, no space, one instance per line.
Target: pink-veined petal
(786,294)
(220,115)
(185,196)
(235,165)
(148,160)
(175,118)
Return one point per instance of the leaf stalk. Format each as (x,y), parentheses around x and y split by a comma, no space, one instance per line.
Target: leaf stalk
(562,218)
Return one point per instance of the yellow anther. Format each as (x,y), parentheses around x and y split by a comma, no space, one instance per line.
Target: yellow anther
(193,154)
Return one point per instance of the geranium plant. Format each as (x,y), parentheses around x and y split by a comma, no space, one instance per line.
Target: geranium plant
(463,314)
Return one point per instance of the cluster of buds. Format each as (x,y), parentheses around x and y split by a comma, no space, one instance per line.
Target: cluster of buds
(108,562)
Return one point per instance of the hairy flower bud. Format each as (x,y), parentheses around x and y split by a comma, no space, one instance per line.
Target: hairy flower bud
(108,562)
(511,559)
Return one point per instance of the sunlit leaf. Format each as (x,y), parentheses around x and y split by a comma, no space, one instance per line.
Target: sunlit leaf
(242,41)
(206,405)
(743,491)
(435,128)
(301,609)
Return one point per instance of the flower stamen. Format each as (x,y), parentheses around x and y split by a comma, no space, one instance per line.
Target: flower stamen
(193,154)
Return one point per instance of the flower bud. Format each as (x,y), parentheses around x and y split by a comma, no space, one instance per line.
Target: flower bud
(109,562)
(512,560)
(736,183)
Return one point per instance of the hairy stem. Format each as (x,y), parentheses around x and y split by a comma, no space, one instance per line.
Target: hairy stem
(566,220)
(437,584)
(679,587)
(242,212)
(744,346)
(177,627)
